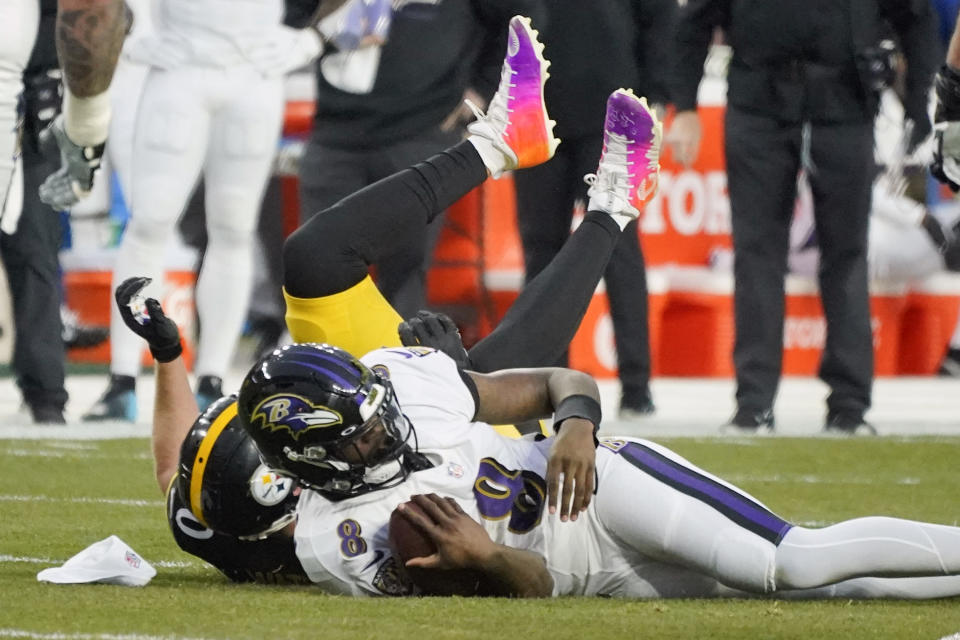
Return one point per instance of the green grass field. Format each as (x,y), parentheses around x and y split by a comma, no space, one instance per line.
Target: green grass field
(60,496)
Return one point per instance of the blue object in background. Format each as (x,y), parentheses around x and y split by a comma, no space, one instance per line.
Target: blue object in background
(66,234)
(947,11)
(119,212)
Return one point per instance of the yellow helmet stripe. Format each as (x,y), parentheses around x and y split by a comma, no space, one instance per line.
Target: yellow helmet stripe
(203,454)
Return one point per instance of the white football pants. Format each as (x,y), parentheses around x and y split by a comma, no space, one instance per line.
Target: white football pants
(126,89)
(18,29)
(697,535)
(225,123)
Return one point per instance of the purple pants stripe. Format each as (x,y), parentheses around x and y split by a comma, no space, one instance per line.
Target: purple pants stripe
(736,506)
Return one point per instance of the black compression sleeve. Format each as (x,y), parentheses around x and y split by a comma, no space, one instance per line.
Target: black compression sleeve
(332,251)
(539,326)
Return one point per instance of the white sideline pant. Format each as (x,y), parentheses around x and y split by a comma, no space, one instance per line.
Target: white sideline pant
(19,20)
(226,123)
(125,91)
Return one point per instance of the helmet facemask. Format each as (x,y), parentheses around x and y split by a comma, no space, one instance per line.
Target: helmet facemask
(368,458)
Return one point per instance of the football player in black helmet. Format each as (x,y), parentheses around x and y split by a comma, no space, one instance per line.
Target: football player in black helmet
(227,486)
(330,298)
(313,411)
(222,503)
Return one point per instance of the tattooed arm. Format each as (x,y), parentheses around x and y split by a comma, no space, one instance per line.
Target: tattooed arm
(89,36)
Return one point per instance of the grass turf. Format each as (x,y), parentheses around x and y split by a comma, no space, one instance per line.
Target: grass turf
(61,496)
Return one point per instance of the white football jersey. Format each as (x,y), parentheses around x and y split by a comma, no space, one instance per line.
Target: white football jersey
(499,482)
(218,33)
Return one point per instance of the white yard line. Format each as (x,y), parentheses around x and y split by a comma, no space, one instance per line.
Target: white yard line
(737,478)
(74,454)
(166,564)
(123,502)
(57,635)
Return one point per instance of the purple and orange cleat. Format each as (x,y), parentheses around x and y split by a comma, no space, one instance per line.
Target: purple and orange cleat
(516,122)
(629,168)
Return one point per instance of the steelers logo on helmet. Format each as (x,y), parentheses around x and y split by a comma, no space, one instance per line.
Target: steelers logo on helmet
(294,413)
(319,414)
(267,487)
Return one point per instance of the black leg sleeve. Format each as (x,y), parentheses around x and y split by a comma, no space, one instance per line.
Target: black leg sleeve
(332,251)
(539,326)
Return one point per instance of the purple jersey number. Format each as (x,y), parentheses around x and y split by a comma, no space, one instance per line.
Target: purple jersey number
(504,493)
(351,544)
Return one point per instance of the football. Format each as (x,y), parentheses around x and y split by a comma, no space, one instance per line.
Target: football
(407,541)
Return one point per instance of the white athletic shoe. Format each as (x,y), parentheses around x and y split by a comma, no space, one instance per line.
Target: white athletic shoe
(516,123)
(629,169)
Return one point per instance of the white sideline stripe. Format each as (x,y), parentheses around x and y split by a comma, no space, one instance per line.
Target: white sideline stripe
(812,479)
(6,558)
(83,500)
(76,455)
(73,430)
(67,444)
(166,564)
(57,635)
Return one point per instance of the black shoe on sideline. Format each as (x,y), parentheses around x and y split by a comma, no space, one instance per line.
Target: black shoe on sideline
(636,406)
(118,402)
(209,390)
(47,413)
(749,422)
(80,336)
(950,366)
(848,423)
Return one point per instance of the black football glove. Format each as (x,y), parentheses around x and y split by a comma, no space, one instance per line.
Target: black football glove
(951,254)
(946,151)
(147,319)
(435,330)
(941,237)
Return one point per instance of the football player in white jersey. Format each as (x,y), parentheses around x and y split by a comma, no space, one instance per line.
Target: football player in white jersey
(657,527)
(18,29)
(336,301)
(90,34)
(212,104)
(402,421)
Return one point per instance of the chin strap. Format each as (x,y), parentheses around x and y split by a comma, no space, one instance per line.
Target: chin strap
(415,461)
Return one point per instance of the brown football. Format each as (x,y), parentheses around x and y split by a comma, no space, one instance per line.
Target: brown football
(407,541)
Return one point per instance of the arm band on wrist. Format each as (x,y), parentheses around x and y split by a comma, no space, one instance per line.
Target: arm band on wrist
(167,353)
(951,73)
(578,406)
(86,120)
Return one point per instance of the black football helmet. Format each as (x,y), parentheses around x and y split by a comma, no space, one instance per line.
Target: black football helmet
(314,410)
(227,485)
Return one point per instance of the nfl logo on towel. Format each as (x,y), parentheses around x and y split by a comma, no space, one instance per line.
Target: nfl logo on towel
(132,559)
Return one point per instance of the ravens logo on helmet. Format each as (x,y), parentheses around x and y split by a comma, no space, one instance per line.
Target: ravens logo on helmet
(319,414)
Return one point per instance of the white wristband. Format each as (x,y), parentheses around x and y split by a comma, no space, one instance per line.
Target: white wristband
(86,120)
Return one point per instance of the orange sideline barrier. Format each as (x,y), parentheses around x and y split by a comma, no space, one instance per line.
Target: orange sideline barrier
(90,295)
(928,321)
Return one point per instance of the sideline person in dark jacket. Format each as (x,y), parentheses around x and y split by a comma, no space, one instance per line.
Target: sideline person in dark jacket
(802,87)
